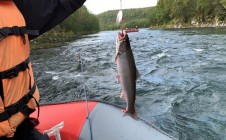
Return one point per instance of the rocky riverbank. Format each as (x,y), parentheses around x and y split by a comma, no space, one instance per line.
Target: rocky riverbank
(193,24)
(55,38)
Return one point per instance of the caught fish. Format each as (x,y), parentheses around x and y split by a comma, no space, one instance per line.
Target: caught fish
(127,71)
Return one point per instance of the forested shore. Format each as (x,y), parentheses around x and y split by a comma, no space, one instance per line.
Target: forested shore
(79,23)
(189,13)
(170,14)
(166,14)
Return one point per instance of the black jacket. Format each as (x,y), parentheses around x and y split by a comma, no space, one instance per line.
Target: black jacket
(43,15)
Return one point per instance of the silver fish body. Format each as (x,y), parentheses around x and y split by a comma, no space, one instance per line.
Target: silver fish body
(127,72)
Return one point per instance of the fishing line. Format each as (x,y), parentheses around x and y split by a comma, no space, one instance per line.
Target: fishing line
(85,91)
(121,4)
(122,16)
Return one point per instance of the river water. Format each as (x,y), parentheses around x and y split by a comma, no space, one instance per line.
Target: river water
(182,89)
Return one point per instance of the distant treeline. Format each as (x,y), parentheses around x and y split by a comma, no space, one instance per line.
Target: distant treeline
(188,11)
(81,22)
(132,18)
(169,12)
(166,13)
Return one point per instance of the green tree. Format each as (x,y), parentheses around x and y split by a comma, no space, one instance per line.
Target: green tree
(81,22)
(164,8)
(183,10)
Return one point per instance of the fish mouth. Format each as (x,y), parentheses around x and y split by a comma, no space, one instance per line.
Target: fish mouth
(122,41)
(121,35)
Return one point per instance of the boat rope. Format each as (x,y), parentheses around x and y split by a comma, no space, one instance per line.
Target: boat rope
(86,98)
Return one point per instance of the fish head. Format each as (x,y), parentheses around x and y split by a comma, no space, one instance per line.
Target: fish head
(122,42)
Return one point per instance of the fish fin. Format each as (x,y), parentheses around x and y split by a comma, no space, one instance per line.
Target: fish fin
(118,78)
(134,115)
(123,96)
(117,43)
(137,75)
(116,57)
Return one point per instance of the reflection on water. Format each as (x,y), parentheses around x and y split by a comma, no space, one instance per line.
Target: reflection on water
(181,90)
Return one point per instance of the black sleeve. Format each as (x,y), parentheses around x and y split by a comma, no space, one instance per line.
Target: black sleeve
(43,15)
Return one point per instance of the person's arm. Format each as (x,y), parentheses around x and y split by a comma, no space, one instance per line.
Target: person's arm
(43,15)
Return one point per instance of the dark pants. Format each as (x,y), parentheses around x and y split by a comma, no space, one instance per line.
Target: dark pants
(26,131)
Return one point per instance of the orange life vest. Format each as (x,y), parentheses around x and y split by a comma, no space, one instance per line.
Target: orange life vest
(16,75)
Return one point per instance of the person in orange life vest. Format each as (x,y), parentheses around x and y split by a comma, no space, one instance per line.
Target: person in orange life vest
(18,93)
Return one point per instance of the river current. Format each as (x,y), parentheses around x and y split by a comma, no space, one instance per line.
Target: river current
(182,89)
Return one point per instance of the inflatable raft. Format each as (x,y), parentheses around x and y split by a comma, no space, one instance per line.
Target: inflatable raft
(132,30)
(69,121)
